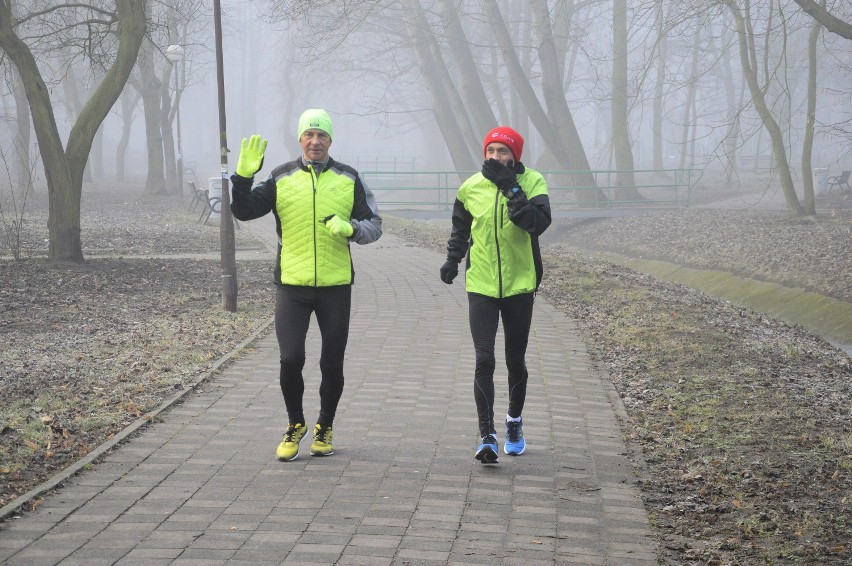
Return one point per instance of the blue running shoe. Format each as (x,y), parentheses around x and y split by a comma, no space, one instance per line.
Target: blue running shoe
(515,443)
(487,451)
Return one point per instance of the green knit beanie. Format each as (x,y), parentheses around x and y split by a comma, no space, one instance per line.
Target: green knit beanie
(315,118)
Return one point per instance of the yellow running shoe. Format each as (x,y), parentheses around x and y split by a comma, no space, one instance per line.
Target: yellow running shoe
(322,441)
(289,447)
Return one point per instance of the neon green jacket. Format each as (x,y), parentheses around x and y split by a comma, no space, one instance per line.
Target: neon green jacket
(502,240)
(301,198)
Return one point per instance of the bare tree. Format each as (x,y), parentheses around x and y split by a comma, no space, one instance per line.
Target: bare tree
(447,103)
(535,64)
(471,85)
(64,166)
(23,167)
(153,81)
(730,144)
(826,18)
(810,119)
(560,133)
(149,85)
(659,87)
(448,67)
(748,60)
(625,179)
(129,101)
(691,88)
(74,100)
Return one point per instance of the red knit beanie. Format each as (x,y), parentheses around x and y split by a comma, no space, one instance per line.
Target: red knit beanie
(508,137)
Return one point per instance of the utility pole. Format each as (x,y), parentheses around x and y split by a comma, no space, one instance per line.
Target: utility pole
(226,221)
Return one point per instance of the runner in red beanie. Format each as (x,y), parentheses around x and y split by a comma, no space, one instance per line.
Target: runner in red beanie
(498,215)
(507,136)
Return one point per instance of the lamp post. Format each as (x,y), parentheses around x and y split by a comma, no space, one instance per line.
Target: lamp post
(227,247)
(175,54)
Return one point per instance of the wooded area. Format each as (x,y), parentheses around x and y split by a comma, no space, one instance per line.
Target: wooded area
(590,84)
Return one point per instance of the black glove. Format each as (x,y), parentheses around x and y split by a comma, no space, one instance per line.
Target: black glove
(449,271)
(500,175)
(517,200)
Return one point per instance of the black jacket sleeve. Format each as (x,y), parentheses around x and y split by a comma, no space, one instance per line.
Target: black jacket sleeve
(534,216)
(248,203)
(460,235)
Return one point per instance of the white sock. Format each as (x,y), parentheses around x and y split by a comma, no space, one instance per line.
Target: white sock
(512,419)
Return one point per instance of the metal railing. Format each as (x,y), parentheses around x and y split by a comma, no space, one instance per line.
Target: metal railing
(386,164)
(437,189)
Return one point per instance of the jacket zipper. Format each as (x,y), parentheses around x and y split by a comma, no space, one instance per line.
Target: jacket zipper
(498,209)
(314,182)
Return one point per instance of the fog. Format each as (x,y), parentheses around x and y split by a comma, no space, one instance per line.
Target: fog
(360,61)
(269,80)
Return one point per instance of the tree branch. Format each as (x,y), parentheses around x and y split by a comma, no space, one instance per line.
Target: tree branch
(833,24)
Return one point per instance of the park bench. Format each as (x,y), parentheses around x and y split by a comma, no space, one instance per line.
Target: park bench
(839,181)
(201,196)
(209,205)
(213,205)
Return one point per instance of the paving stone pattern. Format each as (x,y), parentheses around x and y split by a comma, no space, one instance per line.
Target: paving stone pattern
(202,485)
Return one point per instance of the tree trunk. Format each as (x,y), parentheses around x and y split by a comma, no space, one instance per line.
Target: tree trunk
(563,13)
(96,159)
(823,16)
(128,106)
(473,93)
(504,115)
(732,136)
(23,167)
(569,151)
(64,168)
(624,179)
(747,60)
(64,201)
(568,140)
(149,89)
(659,89)
(447,106)
(167,134)
(688,116)
(807,148)
(96,154)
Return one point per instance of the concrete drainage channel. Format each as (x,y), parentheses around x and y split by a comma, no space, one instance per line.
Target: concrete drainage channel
(824,316)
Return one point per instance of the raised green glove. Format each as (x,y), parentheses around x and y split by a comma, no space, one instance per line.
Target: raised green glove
(251,156)
(339,226)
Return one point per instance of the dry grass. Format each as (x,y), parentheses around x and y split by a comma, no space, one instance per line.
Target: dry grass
(88,348)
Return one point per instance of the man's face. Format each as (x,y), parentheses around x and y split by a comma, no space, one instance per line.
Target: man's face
(500,152)
(315,144)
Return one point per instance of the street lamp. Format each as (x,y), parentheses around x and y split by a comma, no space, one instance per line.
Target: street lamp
(175,53)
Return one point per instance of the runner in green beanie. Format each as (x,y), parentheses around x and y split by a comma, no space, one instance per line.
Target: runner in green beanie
(315,118)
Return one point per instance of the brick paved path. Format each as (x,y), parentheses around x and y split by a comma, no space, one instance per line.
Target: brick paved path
(202,485)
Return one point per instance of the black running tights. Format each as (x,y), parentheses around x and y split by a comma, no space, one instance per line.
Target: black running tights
(484,314)
(293,308)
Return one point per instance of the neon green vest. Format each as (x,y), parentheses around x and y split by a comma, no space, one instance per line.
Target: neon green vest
(501,254)
(310,254)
